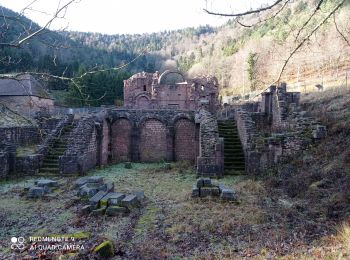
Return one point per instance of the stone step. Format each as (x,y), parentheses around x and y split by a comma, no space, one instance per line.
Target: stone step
(53,170)
(233,150)
(49,165)
(234,172)
(46,160)
(233,167)
(237,162)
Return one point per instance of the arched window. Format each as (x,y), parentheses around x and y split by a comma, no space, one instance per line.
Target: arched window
(144,87)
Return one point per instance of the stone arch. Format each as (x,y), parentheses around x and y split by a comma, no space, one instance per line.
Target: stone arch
(146,117)
(153,141)
(142,101)
(167,72)
(185,140)
(121,140)
(181,116)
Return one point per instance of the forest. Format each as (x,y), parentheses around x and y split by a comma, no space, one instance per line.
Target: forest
(243,58)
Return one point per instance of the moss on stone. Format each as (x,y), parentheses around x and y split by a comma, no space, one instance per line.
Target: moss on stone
(105,249)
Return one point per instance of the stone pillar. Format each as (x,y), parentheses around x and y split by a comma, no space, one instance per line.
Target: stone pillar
(170,141)
(99,138)
(135,144)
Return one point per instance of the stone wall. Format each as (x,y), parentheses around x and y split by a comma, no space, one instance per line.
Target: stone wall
(277,132)
(81,153)
(119,135)
(21,136)
(28,165)
(185,140)
(151,91)
(5,165)
(121,131)
(210,162)
(27,105)
(153,141)
(148,135)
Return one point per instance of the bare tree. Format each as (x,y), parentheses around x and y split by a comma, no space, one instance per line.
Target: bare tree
(303,34)
(30,32)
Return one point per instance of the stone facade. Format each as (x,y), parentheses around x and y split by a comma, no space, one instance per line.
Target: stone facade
(275,130)
(21,135)
(152,91)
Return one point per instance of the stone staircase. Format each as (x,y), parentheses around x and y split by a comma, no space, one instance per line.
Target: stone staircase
(57,147)
(234,162)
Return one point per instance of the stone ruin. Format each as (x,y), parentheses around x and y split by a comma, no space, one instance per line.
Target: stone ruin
(98,195)
(134,133)
(152,127)
(102,199)
(205,187)
(153,91)
(273,129)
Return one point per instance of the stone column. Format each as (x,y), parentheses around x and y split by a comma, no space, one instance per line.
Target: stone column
(170,141)
(135,144)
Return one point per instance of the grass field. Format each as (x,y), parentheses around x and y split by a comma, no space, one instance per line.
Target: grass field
(170,224)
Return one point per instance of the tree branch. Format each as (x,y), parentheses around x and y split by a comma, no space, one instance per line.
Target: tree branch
(262,9)
(265,20)
(39,31)
(342,35)
(308,20)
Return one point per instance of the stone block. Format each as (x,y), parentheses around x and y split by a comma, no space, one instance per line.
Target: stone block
(130,201)
(97,197)
(88,190)
(206,182)
(195,191)
(199,183)
(205,192)
(140,194)
(112,198)
(320,132)
(222,187)
(105,250)
(99,212)
(108,187)
(116,210)
(95,179)
(36,192)
(215,191)
(80,182)
(86,209)
(228,194)
(46,183)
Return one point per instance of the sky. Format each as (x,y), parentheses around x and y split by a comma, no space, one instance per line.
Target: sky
(129,16)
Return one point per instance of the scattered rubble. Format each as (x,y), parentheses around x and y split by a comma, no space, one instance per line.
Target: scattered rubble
(42,187)
(205,187)
(103,200)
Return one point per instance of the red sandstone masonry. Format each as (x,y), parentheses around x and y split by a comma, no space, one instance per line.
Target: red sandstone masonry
(121,140)
(153,143)
(185,142)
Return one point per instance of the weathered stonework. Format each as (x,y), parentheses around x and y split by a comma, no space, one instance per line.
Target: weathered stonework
(151,91)
(211,157)
(276,131)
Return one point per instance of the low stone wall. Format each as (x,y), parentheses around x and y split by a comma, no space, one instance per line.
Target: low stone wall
(21,136)
(28,165)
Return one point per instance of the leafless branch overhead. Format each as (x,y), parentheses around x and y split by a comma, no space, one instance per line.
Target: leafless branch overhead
(338,30)
(56,15)
(259,10)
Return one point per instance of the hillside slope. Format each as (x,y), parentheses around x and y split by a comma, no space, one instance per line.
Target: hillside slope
(243,59)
